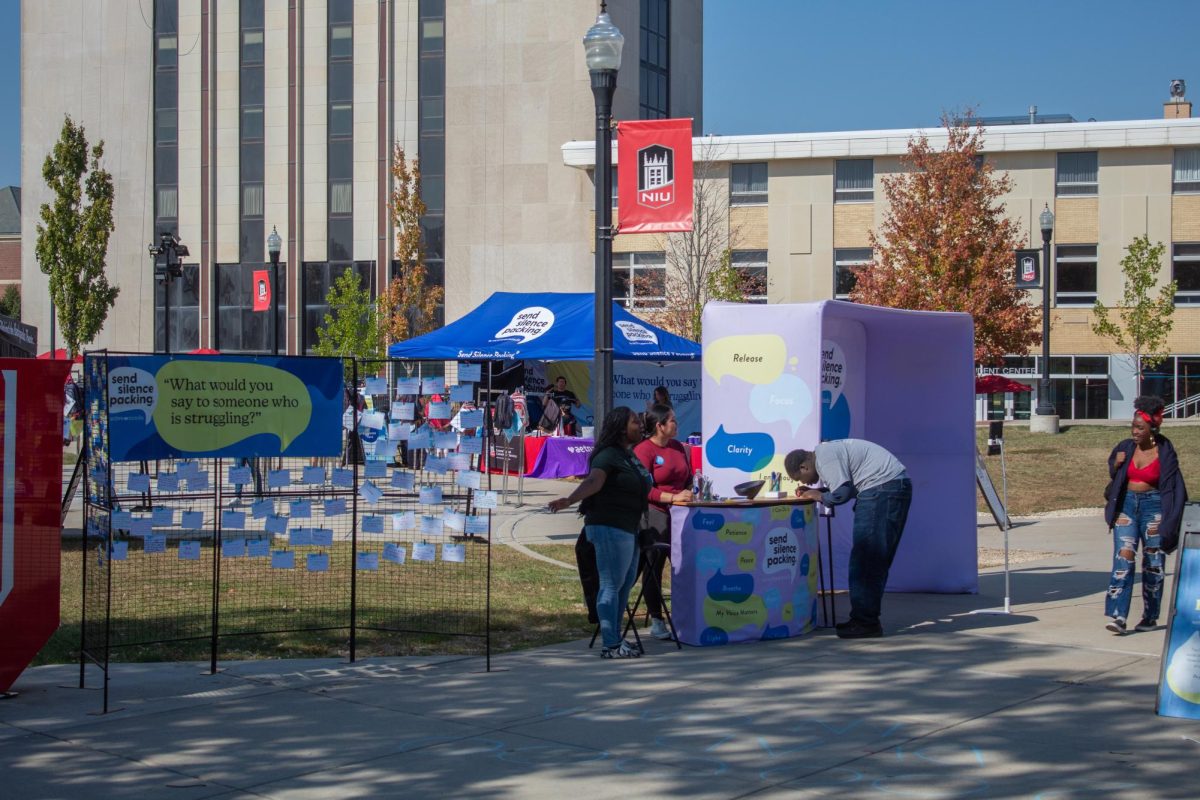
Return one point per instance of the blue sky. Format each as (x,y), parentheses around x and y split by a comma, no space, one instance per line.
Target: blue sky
(813,65)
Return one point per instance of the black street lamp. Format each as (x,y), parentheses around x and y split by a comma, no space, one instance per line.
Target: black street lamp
(1045,408)
(602,51)
(167,266)
(274,242)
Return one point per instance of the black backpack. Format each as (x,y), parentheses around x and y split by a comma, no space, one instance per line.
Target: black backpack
(502,412)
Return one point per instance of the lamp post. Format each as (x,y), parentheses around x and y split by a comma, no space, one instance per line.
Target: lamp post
(167,265)
(602,51)
(1044,407)
(274,242)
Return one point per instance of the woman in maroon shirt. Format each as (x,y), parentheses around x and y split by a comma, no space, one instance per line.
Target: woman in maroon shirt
(669,465)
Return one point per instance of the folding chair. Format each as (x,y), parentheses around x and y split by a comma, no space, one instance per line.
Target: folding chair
(648,555)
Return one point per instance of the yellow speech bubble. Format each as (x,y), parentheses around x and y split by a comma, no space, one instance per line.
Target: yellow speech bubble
(755,358)
(205,405)
(747,559)
(788,612)
(732,616)
(736,532)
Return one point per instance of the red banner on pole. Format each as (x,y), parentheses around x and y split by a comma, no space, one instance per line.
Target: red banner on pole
(262,290)
(31,429)
(654,176)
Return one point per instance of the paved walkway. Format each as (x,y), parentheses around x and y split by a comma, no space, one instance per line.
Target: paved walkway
(1041,703)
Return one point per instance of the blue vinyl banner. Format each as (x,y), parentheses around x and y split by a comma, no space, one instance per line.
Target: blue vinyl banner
(223,406)
(1179,678)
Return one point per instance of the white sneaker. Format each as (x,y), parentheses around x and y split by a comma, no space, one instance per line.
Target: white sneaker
(659,629)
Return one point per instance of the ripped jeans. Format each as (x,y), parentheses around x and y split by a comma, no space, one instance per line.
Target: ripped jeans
(1137,523)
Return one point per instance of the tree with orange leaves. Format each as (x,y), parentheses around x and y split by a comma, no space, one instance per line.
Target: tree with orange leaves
(946,244)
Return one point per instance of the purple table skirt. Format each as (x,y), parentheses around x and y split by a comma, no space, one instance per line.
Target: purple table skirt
(562,457)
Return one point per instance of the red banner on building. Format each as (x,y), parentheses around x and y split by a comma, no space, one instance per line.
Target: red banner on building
(654,176)
(262,290)
(31,429)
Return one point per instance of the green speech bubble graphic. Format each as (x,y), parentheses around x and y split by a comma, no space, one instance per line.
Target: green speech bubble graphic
(737,532)
(204,406)
(732,616)
(747,559)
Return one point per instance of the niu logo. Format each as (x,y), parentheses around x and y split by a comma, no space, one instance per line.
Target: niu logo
(656,176)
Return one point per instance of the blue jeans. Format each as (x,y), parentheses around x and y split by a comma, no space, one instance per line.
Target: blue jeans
(1137,523)
(617,569)
(879,517)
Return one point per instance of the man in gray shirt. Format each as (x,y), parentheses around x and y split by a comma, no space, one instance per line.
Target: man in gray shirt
(853,469)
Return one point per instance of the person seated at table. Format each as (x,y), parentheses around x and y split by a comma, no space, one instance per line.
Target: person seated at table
(668,464)
(661,398)
(566,400)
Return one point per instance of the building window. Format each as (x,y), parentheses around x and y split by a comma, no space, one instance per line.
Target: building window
(318,277)
(166,117)
(1075,275)
(250,98)
(1185,177)
(239,328)
(845,261)
(748,184)
(1185,271)
(1080,386)
(339,150)
(185,311)
(752,265)
(640,280)
(1077,175)
(431,135)
(654,90)
(854,181)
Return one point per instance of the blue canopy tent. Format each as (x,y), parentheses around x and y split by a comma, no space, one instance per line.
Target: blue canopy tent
(548,326)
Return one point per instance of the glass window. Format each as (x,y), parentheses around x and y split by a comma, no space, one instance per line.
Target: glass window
(752,264)
(185,311)
(252,13)
(654,35)
(1075,275)
(1091,365)
(433,8)
(166,91)
(166,165)
(341,11)
(1061,365)
(341,197)
(433,35)
(1077,175)
(341,82)
(239,328)
(1186,175)
(168,52)
(166,202)
(433,114)
(341,160)
(432,150)
(1185,271)
(433,192)
(166,16)
(844,263)
(748,184)
(318,277)
(252,86)
(431,75)
(433,228)
(640,280)
(854,181)
(341,120)
(167,130)
(252,240)
(341,41)
(252,47)
(252,124)
(252,163)
(252,200)
(341,239)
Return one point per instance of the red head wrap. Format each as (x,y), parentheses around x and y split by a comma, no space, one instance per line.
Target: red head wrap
(1153,420)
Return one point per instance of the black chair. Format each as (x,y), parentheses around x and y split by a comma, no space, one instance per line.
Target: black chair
(649,554)
(589,578)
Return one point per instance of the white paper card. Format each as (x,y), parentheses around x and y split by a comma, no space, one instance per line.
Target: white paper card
(433,386)
(258,548)
(376,386)
(188,469)
(335,508)
(462,392)
(405,520)
(408,386)
(322,537)
(141,526)
(423,551)
(437,465)
(485,499)
(277,525)
(300,537)
(163,517)
(431,525)
(454,521)
(168,482)
(301,509)
(477,524)
(198,482)
(122,520)
(398,432)
(120,551)
(371,419)
(375,469)
(468,479)
(156,544)
(471,419)
(459,461)
(455,553)
(405,412)
(445,440)
(471,445)
(439,410)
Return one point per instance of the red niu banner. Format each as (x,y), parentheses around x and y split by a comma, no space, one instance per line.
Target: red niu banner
(31,429)
(654,176)
(262,290)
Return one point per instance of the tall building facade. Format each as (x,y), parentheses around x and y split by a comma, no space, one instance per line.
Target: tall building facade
(226,119)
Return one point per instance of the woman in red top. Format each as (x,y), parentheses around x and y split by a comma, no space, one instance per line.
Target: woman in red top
(669,465)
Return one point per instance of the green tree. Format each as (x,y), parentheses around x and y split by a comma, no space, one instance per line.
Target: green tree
(10,304)
(72,237)
(409,306)
(1145,320)
(352,326)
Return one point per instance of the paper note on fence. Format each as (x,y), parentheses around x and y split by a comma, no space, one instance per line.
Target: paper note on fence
(393,553)
(283,559)
(423,551)
(367,561)
(189,551)
(318,562)
(485,499)
(372,524)
(454,553)
(469,372)
(233,548)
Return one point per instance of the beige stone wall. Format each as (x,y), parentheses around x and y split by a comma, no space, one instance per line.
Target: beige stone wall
(1076,220)
(1071,332)
(1185,218)
(852,224)
(751,224)
(800,230)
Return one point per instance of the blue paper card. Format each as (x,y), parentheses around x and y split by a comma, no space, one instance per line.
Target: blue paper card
(431,525)
(318,562)
(188,469)
(469,373)
(437,465)
(120,551)
(322,537)
(163,517)
(439,410)
(454,521)
(471,419)
(141,526)
(168,482)
(430,495)
(123,520)
(300,537)
(262,509)
(156,544)
(279,479)
(471,445)
(258,548)
(445,440)
(367,561)
(139,482)
(193,520)
(343,478)
(375,385)
(477,524)
(403,480)
(189,551)
(240,476)
(433,386)
(459,460)
(375,469)
(233,548)
(485,499)
(372,420)
(198,482)
(300,509)
(372,524)
(314,475)
(334,508)
(370,492)
(405,412)
(283,559)
(454,553)
(398,431)
(462,393)
(233,520)
(408,386)
(404,520)
(420,438)
(276,525)
(393,553)
(423,551)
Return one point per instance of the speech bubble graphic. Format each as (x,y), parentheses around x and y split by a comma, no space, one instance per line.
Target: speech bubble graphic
(635,333)
(1183,673)
(801,599)
(526,325)
(800,517)
(835,418)
(833,369)
(780,513)
(710,558)
(703,521)
(713,636)
(755,358)
(804,562)
(730,588)
(737,532)
(788,399)
(781,552)
(132,389)
(746,560)
(205,406)
(775,632)
(788,612)
(733,616)
(748,452)
(772,598)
